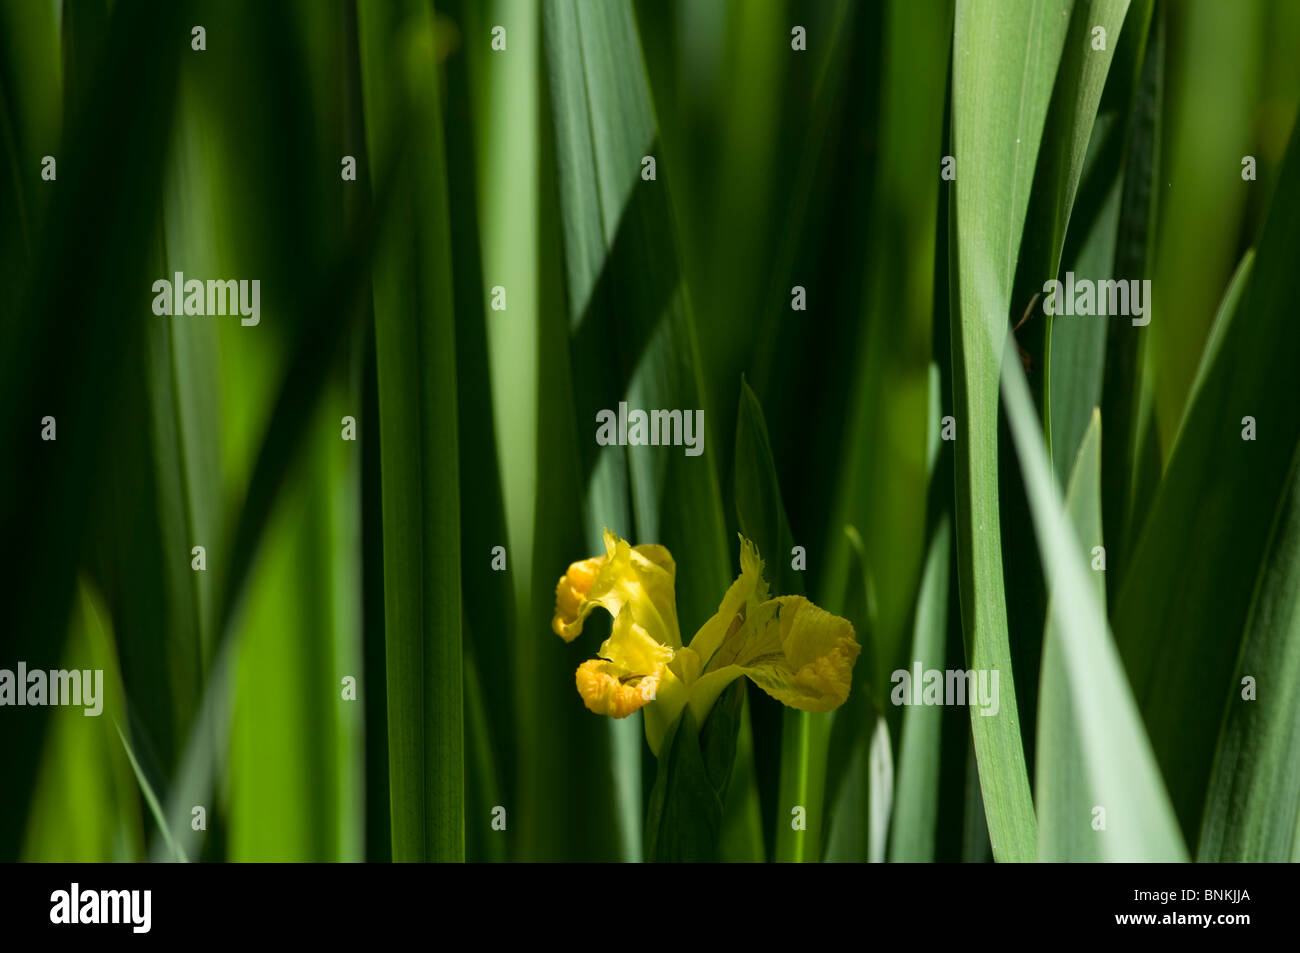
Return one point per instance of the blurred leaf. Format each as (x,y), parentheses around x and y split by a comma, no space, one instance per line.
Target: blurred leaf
(31,87)
(294,753)
(1228,309)
(1183,604)
(85,807)
(72,346)
(482,786)
(883,411)
(820,111)
(415,345)
(1251,809)
(151,799)
(1093,751)
(1202,196)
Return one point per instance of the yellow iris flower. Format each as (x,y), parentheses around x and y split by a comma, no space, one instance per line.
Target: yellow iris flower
(798,653)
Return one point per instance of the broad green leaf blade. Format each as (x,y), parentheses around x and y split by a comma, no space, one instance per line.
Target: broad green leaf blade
(944,838)
(202,759)
(379,836)
(31,78)
(1228,309)
(1203,198)
(416,352)
(760,511)
(1064,796)
(684,811)
(817,112)
(1087,713)
(916,805)
(927,818)
(483,788)
(498,396)
(1126,413)
(1004,64)
(72,346)
(1074,381)
(520,475)
(86,806)
(1080,79)
(882,456)
(1252,810)
(1100,728)
(630,312)
(295,743)
(1093,34)
(1183,605)
(859,830)
(805,737)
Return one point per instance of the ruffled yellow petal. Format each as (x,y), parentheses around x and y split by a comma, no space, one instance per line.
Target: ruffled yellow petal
(797,652)
(631,648)
(803,656)
(570,595)
(642,577)
(607,690)
(748,591)
(628,673)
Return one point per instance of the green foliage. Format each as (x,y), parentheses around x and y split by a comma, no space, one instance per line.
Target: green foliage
(1103,513)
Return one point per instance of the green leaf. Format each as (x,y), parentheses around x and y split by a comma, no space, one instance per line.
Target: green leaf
(1203,198)
(1063,157)
(86,806)
(151,799)
(1080,79)
(1092,749)
(415,345)
(1228,309)
(684,812)
(805,737)
(73,347)
(759,508)
(916,805)
(1126,412)
(1184,603)
(1004,65)
(1252,810)
(881,459)
(498,399)
(855,794)
(303,806)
